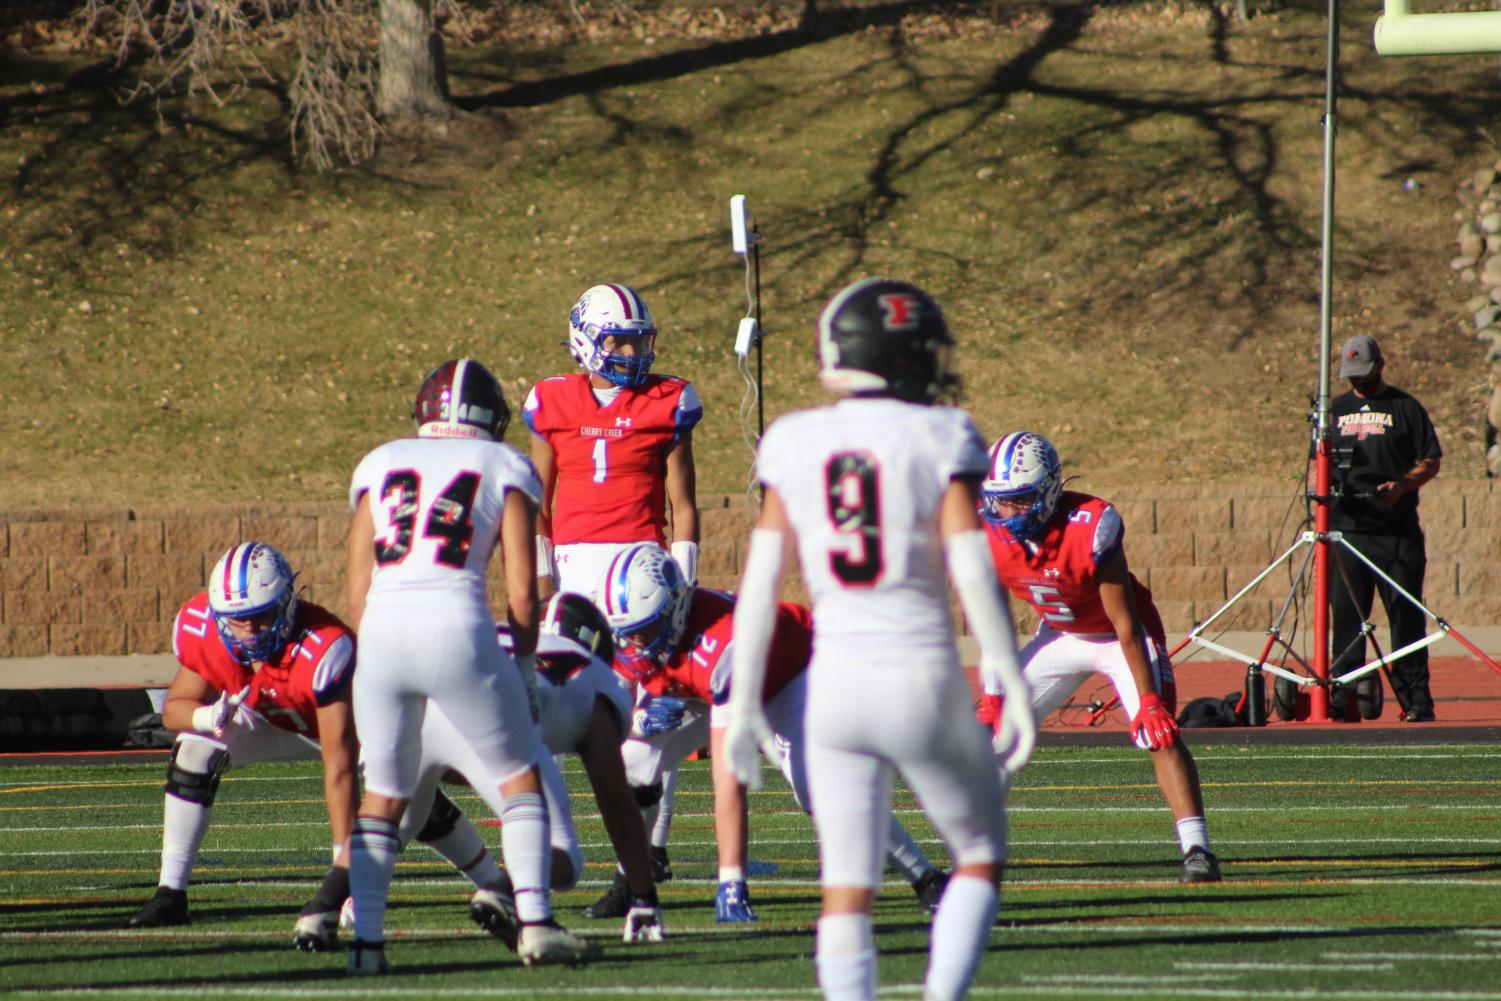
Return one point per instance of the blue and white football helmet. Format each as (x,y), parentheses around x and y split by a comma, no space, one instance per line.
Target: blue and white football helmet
(252,580)
(645,600)
(617,311)
(1023,465)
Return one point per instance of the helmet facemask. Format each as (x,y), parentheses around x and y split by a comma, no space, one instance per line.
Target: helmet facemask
(618,314)
(1024,469)
(252,583)
(645,600)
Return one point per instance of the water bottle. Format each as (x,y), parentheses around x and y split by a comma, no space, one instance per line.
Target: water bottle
(1255,696)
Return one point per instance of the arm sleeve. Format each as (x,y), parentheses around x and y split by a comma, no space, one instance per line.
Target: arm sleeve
(972,569)
(755,619)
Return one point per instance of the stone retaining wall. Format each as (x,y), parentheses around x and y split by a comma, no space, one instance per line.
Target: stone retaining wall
(109,582)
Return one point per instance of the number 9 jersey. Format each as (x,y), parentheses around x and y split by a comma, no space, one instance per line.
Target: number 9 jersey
(436,504)
(862,481)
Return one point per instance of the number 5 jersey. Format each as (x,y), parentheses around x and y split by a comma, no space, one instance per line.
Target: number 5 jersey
(436,504)
(1057,573)
(862,481)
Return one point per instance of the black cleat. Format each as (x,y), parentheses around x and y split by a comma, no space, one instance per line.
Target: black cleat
(616,902)
(169,907)
(929,889)
(1199,866)
(661,869)
(493,908)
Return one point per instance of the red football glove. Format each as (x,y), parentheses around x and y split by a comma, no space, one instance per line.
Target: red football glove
(1154,724)
(988,711)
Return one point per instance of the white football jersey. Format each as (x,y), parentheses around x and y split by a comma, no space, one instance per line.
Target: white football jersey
(567,696)
(862,482)
(437,504)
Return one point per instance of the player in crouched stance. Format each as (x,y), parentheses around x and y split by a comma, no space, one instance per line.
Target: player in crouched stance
(1061,552)
(266,677)
(674,640)
(429,511)
(878,492)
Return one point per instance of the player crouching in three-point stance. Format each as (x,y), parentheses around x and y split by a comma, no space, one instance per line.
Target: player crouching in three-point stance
(674,640)
(428,514)
(288,664)
(875,492)
(1061,552)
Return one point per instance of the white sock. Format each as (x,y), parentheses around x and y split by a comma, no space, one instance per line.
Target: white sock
(731,874)
(372,859)
(846,957)
(902,852)
(465,850)
(961,931)
(661,822)
(524,839)
(183,826)
(1193,831)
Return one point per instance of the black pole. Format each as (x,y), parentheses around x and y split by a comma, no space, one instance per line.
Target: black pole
(755,250)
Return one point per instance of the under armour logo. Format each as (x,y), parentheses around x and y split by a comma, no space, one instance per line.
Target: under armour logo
(901,310)
(1052,572)
(622,422)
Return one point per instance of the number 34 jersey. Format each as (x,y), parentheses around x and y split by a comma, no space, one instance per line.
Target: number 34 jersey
(862,482)
(1058,573)
(436,504)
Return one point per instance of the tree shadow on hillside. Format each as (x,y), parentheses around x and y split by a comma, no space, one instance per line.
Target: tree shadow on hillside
(95,173)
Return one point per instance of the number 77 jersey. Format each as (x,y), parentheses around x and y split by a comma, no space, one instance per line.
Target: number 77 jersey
(436,504)
(863,481)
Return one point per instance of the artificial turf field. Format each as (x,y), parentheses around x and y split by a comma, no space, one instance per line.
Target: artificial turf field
(1351,872)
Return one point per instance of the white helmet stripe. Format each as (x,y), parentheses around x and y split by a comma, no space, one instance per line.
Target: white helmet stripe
(456,392)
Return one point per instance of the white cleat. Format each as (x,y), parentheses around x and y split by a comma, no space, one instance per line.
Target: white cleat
(548,942)
(494,910)
(316,932)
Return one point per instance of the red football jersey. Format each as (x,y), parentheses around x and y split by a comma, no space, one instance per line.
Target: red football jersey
(1057,573)
(700,669)
(312,670)
(610,459)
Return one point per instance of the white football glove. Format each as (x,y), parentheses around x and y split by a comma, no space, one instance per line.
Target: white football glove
(745,739)
(1016,734)
(643,922)
(215,717)
(244,720)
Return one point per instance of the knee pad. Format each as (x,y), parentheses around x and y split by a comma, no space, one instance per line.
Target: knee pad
(194,769)
(441,819)
(647,796)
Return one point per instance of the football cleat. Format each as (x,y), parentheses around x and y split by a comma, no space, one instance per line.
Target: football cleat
(732,903)
(494,909)
(615,903)
(1199,866)
(929,888)
(661,868)
(643,923)
(168,907)
(316,932)
(547,942)
(367,959)
(346,914)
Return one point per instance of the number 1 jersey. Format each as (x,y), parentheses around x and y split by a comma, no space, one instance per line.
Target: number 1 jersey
(863,481)
(436,503)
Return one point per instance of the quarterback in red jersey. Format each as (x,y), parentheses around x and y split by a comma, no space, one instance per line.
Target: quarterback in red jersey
(613,446)
(673,640)
(265,677)
(1061,552)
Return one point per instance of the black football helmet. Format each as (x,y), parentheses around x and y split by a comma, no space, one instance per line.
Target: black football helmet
(575,617)
(880,337)
(461,399)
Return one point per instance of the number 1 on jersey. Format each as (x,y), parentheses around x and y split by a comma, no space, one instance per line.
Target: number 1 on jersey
(601,465)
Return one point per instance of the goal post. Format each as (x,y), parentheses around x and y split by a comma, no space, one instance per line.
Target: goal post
(1400,32)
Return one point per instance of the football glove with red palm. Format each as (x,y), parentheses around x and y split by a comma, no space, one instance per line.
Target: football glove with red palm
(988,711)
(1153,725)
